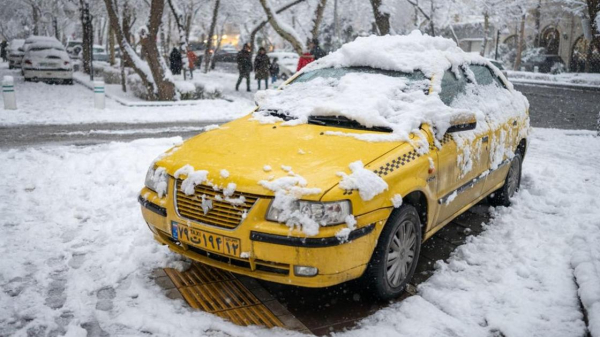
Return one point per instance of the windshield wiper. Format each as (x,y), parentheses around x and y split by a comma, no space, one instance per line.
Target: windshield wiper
(278,113)
(344,122)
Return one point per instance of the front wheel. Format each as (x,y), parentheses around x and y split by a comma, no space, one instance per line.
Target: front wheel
(503,196)
(395,258)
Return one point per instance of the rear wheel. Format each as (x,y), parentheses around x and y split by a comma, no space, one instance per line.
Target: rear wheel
(502,196)
(395,258)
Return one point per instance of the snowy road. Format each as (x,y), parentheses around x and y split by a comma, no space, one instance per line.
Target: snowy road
(77,257)
(89,134)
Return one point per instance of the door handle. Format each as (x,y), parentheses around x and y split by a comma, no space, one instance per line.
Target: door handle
(485,139)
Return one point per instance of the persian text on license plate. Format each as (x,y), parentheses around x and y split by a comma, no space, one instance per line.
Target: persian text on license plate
(205,240)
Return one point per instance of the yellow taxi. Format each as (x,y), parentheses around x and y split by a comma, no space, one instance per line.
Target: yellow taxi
(316,198)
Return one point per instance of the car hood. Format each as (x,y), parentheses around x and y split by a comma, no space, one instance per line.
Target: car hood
(244,147)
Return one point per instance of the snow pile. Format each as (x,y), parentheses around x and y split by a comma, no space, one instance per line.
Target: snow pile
(365,181)
(402,103)
(343,234)
(193,178)
(287,191)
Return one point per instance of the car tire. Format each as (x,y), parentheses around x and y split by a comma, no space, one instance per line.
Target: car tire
(387,276)
(512,183)
(284,77)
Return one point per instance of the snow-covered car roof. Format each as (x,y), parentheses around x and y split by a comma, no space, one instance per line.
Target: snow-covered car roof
(432,55)
(15,44)
(42,41)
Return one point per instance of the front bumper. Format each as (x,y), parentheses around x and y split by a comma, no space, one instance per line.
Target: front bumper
(270,250)
(66,74)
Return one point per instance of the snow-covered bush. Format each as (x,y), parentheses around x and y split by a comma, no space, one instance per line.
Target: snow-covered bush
(187,90)
(112,75)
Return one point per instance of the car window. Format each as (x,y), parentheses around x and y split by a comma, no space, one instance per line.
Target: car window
(484,75)
(452,87)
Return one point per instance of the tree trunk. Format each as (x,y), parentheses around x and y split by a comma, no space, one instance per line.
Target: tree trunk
(382,20)
(538,16)
(521,43)
(87,37)
(286,35)
(209,39)
(431,19)
(486,32)
(156,79)
(317,18)
(36,20)
(111,45)
(258,27)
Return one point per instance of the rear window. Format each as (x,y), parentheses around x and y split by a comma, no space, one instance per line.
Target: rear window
(45,48)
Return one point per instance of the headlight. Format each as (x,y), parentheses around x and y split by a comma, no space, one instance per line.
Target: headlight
(156,180)
(323,213)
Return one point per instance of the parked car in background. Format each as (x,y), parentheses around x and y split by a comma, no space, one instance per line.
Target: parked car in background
(15,53)
(226,53)
(74,47)
(546,64)
(100,54)
(47,60)
(288,62)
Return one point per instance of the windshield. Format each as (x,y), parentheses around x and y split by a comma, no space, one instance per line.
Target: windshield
(338,73)
(352,97)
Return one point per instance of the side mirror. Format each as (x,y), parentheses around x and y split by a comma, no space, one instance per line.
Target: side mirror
(462,122)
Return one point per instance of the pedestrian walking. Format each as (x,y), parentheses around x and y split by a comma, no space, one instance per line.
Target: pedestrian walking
(274,70)
(261,67)
(3,51)
(192,58)
(305,59)
(315,49)
(244,63)
(175,61)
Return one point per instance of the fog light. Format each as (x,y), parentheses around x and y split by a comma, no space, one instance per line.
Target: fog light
(305,271)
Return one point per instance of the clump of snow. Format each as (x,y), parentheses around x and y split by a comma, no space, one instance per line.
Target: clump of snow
(343,233)
(368,183)
(229,190)
(397,200)
(286,168)
(193,178)
(287,191)
(160,179)
(224,174)
(245,255)
(211,127)
(267,168)
(300,151)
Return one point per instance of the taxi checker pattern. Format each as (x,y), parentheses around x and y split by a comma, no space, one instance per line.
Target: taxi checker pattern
(396,163)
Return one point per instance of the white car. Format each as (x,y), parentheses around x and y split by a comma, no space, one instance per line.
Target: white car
(288,63)
(49,61)
(15,53)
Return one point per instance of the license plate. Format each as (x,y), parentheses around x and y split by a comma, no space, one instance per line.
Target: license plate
(205,240)
(45,64)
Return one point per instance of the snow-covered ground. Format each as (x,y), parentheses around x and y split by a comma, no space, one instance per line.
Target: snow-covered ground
(572,79)
(40,103)
(77,255)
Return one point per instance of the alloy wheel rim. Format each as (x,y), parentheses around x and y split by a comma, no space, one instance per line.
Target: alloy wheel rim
(400,253)
(513,178)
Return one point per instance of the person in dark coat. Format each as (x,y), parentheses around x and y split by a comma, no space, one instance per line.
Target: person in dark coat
(3,50)
(261,67)
(274,70)
(175,61)
(244,63)
(315,49)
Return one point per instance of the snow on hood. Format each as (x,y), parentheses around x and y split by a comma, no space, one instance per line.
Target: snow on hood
(377,99)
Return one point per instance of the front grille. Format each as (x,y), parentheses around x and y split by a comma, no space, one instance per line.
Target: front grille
(222,214)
